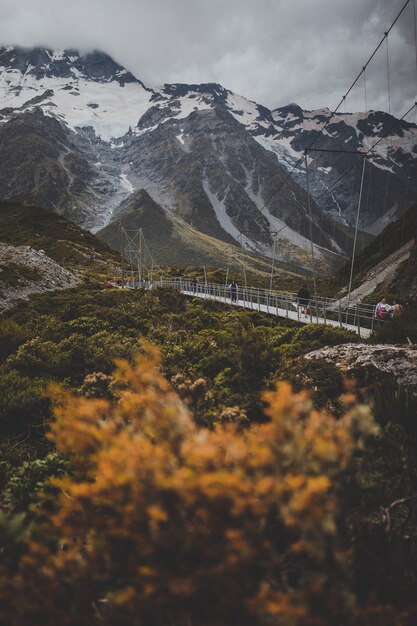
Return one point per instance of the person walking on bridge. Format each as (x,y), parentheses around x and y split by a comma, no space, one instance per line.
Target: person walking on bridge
(382,310)
(233,291)
(303,297)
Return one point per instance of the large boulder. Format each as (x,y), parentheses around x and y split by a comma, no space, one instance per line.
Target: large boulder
(373,364)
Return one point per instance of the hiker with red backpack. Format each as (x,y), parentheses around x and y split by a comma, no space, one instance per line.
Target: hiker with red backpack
(382,310)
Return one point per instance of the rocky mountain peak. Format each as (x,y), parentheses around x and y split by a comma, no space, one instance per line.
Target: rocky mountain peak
(289,109)
(47,63)
(209,156)
(213,91)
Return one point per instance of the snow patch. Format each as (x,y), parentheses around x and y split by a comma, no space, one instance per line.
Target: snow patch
(244,111)
(224,219)
(126,184)
(119,108)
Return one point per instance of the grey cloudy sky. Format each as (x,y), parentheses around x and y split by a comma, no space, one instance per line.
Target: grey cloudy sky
(271,51)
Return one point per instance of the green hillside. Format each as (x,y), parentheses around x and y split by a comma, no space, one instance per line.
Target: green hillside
(174,243)
(63,241)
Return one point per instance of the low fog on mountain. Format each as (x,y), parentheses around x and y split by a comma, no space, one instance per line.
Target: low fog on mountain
(273,52)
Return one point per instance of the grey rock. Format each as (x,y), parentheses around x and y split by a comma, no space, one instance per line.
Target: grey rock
(373,363)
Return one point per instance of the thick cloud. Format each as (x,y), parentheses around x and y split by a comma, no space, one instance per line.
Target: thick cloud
(271,51)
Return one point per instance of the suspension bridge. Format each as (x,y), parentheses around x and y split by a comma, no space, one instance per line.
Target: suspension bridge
(343,313)
(141,270)
(357,318)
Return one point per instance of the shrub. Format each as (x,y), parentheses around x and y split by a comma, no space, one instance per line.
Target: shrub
(13,532)
(87,325)
(97,385)
(166,523)
(323,379)
(73,357)
(12,335)
(4,473)
(36,357)
(31,477)
(23,403)
(322,335)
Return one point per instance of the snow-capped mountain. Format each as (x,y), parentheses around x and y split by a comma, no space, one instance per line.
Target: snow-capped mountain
(390,178)
(81,135)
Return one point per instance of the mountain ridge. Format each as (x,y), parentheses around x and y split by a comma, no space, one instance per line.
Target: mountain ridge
(203,153)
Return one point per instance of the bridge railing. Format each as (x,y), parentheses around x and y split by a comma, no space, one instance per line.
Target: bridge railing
(321,310)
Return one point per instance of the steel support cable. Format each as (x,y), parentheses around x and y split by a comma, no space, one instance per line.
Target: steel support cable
(273,263)
(383,213)
(352,196)
(319,133)
(327,122)
(409,163)
(364,87)
(366,213)
(405,205)
(356,234)
(364,154)
(147,248)
(132,242)
(388,80)
(313,260)
(415,30)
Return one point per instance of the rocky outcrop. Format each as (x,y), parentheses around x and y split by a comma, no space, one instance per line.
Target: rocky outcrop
(387,265)
(370,364)
(25,271)
(380,277)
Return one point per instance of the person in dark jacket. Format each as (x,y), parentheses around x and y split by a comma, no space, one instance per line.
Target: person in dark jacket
(233,291)
(303,299)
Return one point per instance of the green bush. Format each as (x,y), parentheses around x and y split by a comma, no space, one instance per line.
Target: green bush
(12,335)
(88,326)
(322,335)
(13,533)
(237,351)
(4,473)
(36,357)
(27,480)
(23,403)
(73,357)
(323,379)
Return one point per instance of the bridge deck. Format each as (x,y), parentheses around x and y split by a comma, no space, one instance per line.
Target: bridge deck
(321,310)
(280,312)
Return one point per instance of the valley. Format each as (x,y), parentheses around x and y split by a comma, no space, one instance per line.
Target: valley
(186,436)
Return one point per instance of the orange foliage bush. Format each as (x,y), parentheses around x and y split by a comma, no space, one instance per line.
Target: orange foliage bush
(164,523)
